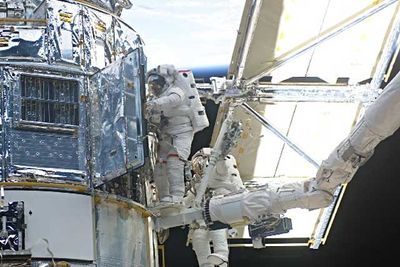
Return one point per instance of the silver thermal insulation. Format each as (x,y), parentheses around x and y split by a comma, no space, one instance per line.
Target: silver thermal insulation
(70,24)
(114,6)
(125,39)
(70,33)
(41,135)
(115,122)
(54,150)
(49,137)
(21,41)
(15,8)
(64,31)
(122,233)
(22,7)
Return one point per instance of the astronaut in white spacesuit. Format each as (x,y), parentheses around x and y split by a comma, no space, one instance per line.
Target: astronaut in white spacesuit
(169,109)
(225,179)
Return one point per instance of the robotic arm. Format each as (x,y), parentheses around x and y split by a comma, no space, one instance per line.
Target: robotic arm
(380,121)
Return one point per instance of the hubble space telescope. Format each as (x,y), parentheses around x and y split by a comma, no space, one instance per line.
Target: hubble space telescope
(77,155)
(72,88)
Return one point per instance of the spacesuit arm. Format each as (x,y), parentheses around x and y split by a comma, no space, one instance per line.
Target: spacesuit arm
(174,97)
(227,185)
(188,200)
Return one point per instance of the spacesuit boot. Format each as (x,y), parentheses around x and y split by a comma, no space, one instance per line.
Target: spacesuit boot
(201,246)
(217,260)
(220,245)
(175,168)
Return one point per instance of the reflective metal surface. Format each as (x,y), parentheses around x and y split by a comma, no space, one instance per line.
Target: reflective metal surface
(122,233)
(49,125)
(116,129)
(71,93)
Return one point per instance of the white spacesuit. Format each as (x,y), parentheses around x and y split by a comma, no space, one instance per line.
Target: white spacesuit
(170,111)
(380,121)
(225,179)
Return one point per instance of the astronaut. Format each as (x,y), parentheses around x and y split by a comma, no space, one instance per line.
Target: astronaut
(225,179)
(168,108)
(381,120)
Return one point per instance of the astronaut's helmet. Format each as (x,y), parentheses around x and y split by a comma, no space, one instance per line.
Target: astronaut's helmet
(156,83)
(226,166)
(222,166)
(160,78)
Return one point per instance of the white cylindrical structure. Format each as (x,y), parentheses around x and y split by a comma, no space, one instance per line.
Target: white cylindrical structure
(63,224)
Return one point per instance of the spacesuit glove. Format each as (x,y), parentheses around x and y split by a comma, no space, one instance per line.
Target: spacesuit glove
(149,106)
(150,113)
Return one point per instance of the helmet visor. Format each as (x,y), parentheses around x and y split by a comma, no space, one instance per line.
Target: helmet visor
(156,84)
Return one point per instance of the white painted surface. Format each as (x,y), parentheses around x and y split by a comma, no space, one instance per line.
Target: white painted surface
(64,219)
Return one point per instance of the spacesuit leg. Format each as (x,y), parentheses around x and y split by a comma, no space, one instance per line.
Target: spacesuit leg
(220,253)
(161,180)
(160,170)
(176,158)
(175,168)
(201,246)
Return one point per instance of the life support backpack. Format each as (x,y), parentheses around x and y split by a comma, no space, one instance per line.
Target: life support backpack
(198,114)
(185,80)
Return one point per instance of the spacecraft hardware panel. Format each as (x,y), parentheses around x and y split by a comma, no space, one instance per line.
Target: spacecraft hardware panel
(72,135)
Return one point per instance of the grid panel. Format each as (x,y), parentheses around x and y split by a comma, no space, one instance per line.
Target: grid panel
(49,100)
